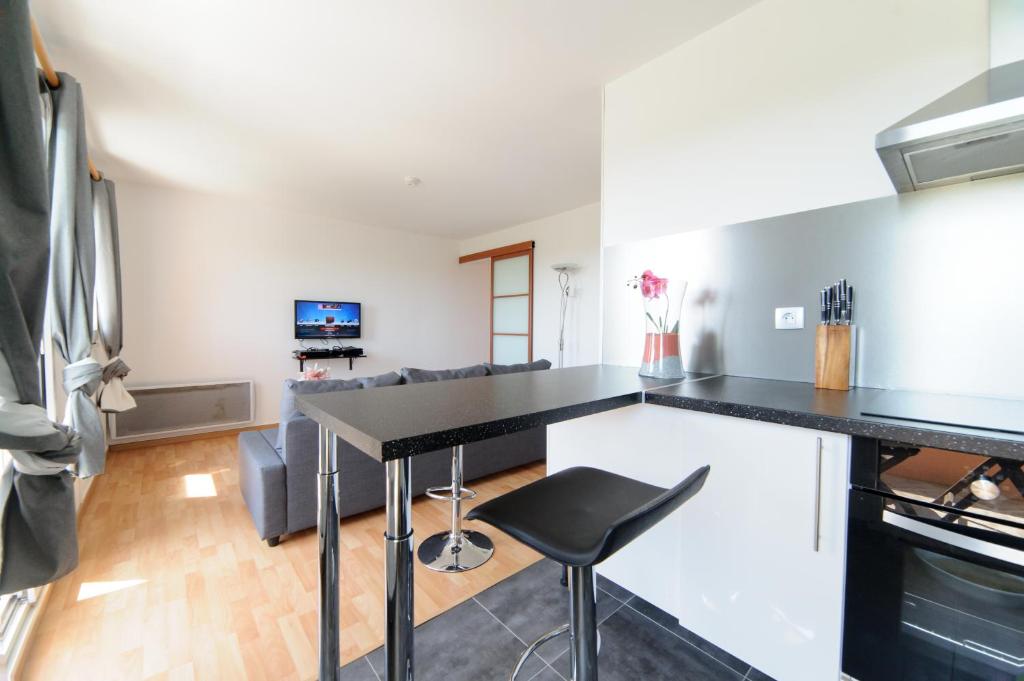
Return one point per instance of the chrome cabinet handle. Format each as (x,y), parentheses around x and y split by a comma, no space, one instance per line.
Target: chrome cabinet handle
(817,497)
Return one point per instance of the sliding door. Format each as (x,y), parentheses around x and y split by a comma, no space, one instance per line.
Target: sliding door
(512,308)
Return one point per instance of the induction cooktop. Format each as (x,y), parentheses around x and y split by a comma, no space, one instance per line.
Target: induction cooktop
(981,413)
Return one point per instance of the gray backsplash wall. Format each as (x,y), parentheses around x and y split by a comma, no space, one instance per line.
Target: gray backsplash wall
(938,274)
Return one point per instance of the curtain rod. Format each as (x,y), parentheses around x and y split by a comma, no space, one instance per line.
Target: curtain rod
(53,80)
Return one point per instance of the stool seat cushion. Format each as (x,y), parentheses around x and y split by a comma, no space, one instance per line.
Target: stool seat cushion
(580,516)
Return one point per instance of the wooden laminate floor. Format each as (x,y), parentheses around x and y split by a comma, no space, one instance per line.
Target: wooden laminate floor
(175,584)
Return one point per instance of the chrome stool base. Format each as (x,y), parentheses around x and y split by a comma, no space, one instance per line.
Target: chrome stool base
(456,550)
(444,553)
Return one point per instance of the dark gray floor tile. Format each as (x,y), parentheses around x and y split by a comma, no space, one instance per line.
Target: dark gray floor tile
(357,670)
(532,602)
(463,644)
(672,624)
(546,674)
(634,647)
(613,589)
(758,675)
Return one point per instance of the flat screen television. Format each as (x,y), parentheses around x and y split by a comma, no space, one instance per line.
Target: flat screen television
(326,319)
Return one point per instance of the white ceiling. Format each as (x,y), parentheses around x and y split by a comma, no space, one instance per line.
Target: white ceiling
(325,105)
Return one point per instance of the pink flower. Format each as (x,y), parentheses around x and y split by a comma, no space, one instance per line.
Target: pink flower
(652,286)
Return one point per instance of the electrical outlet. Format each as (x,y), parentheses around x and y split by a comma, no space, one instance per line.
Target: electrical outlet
(789,318)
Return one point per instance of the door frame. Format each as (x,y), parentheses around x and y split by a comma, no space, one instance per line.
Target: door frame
(503,253)
(529,302)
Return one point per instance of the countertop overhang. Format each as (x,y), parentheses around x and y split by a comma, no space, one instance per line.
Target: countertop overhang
(405,420)
(401,421)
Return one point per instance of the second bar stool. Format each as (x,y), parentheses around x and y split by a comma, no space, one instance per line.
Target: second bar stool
(579,517)
(457,550)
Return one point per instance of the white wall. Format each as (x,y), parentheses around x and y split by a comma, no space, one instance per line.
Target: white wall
(775,111)
(570,237)
(209,284)
(1006,18)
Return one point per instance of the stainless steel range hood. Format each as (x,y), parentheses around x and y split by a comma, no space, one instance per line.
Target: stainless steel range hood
(975,131)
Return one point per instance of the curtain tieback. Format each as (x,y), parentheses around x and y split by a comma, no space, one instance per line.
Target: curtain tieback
(85,374)
(30,463)
(113,396)
(115,368)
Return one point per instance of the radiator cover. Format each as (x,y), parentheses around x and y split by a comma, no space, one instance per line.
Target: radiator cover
(171,410)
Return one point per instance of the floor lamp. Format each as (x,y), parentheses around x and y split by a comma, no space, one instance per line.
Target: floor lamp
(564,270)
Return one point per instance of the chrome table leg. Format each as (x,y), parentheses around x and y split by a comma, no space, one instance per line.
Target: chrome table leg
(582,624)
(398,635)
(327,532)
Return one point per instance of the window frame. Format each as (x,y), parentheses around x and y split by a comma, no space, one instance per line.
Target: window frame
(14,618)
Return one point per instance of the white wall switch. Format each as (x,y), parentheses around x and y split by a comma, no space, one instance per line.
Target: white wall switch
(789,318)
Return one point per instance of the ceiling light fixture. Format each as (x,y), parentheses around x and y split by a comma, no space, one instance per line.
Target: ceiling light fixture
(412,181)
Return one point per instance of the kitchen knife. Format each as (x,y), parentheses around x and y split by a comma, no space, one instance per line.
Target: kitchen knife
(823,301)
(835,304)
(842,301)
(849,306)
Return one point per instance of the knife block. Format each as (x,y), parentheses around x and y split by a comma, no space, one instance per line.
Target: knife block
(834,352)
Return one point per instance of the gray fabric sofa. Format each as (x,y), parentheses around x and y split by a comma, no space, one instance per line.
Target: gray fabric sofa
(278,467)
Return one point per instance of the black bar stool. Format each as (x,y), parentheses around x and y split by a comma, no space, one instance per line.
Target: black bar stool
(579,517)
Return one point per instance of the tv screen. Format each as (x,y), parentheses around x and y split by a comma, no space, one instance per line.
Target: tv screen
(324,319)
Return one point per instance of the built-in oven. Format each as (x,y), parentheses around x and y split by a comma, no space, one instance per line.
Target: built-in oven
(935,566)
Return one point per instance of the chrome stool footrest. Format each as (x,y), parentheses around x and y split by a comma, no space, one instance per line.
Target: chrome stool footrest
(446,494)
(456,550)
(532,648)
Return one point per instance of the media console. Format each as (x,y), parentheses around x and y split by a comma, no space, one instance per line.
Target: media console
(337,352)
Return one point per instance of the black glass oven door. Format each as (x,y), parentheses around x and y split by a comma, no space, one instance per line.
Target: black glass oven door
(927,602)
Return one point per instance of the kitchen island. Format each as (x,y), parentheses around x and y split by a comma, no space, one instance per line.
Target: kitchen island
(395,424)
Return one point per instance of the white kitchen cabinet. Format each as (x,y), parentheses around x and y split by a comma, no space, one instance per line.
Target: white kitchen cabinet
(739,564)
(640,442)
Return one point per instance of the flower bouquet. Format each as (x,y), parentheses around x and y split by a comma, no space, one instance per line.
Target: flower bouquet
(663,304)
(316,373)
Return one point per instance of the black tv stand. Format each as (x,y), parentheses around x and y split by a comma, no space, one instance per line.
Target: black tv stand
(306,354)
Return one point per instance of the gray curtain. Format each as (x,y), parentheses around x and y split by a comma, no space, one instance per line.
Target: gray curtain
(38,542)
(73,272)
(113,397)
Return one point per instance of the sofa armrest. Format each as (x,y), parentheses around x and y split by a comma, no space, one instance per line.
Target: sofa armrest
(301,455)
(261,476)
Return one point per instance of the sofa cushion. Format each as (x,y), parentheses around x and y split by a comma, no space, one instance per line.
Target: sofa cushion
(292,387)
(496,369)
(410,375)
(390,378)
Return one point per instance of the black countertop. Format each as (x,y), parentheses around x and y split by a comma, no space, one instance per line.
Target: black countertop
(801,404)
(406,420)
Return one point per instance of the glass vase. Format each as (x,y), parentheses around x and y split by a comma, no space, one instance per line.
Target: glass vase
(663,307)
